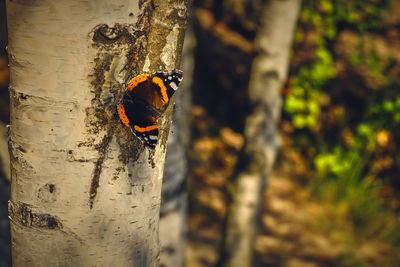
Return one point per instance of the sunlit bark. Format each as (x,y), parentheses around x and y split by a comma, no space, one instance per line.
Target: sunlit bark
(85,192)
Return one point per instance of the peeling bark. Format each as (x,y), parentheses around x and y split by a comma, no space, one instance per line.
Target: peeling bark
(268,73)
(84,191)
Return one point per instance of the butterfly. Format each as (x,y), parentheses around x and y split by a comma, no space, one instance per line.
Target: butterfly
(145,100)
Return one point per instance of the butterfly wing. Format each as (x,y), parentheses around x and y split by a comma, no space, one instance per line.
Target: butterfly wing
(168,82)
(135,115)
(147,91)
(143,101)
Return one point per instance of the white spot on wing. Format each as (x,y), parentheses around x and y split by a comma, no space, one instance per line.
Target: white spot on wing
(173,86)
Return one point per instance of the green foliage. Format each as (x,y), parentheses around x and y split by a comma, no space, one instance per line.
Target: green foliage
(388,111)
(327,15)
(306,94)
(350,145)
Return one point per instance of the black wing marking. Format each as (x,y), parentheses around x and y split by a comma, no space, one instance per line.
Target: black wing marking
(149,138)
(171,80)
(142,122)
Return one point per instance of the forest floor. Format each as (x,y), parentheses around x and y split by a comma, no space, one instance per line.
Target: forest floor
(295,228)
(285,238)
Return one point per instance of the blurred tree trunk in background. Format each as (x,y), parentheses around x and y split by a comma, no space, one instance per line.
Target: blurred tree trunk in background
(4,96)
(3,23)
(174,196)
(268,74)
(84,191)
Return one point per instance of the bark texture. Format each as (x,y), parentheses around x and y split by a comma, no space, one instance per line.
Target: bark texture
(85,192)
(268,73)
(174,197)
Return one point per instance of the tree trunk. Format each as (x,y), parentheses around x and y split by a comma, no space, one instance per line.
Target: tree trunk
(85,192)
(5,246)
(269,71)
(174,197)
(3,25)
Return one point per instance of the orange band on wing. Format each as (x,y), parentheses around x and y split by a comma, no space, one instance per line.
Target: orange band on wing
(160,83)
(145,129)
(122,115)
(138,79)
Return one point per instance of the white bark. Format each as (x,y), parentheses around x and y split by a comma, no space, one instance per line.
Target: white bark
(84,190)
(268,73)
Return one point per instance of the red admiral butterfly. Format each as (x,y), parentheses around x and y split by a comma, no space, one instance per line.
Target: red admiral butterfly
(145,99)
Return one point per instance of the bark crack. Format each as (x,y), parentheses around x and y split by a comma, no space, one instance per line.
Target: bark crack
(24,215)
(102,148)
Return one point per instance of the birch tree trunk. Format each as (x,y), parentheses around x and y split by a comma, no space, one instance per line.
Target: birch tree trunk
(85,192)
(268,73)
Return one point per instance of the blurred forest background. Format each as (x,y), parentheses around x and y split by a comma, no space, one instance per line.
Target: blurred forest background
(333,197)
